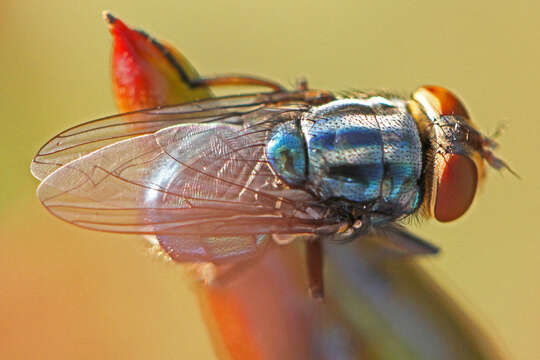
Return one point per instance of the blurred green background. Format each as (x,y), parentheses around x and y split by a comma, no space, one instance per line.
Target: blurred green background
(70,293)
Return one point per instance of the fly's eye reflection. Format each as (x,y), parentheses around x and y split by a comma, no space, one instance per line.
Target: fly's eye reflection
(215,179)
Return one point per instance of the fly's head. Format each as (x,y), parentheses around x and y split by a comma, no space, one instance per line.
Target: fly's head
(455,152)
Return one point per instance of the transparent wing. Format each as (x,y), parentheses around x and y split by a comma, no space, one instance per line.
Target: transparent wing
(85,138)
(187,180)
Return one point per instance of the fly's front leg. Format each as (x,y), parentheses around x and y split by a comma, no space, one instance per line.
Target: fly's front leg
(236,80)
(313,97)
(315,265)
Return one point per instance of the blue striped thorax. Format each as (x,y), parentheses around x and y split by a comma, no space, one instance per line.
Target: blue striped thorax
(360,151)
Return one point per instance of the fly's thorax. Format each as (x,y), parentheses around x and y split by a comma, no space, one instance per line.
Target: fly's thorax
(353,151)
(344,151)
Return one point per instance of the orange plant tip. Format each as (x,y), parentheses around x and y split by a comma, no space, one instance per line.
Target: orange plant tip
(109,18)
(116,26)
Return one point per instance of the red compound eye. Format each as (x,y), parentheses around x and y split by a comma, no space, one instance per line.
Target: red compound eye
(444,101)
(456,187)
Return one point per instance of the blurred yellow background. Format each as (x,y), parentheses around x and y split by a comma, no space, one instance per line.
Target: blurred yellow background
(71,293)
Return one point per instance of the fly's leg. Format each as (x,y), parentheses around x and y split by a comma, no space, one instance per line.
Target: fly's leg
(315,264)
(314,97)
(236,80)
(244,80)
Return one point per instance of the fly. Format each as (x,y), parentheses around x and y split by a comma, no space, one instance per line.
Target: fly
(215,180)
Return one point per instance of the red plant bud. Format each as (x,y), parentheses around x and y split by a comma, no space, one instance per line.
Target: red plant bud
(147,72)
